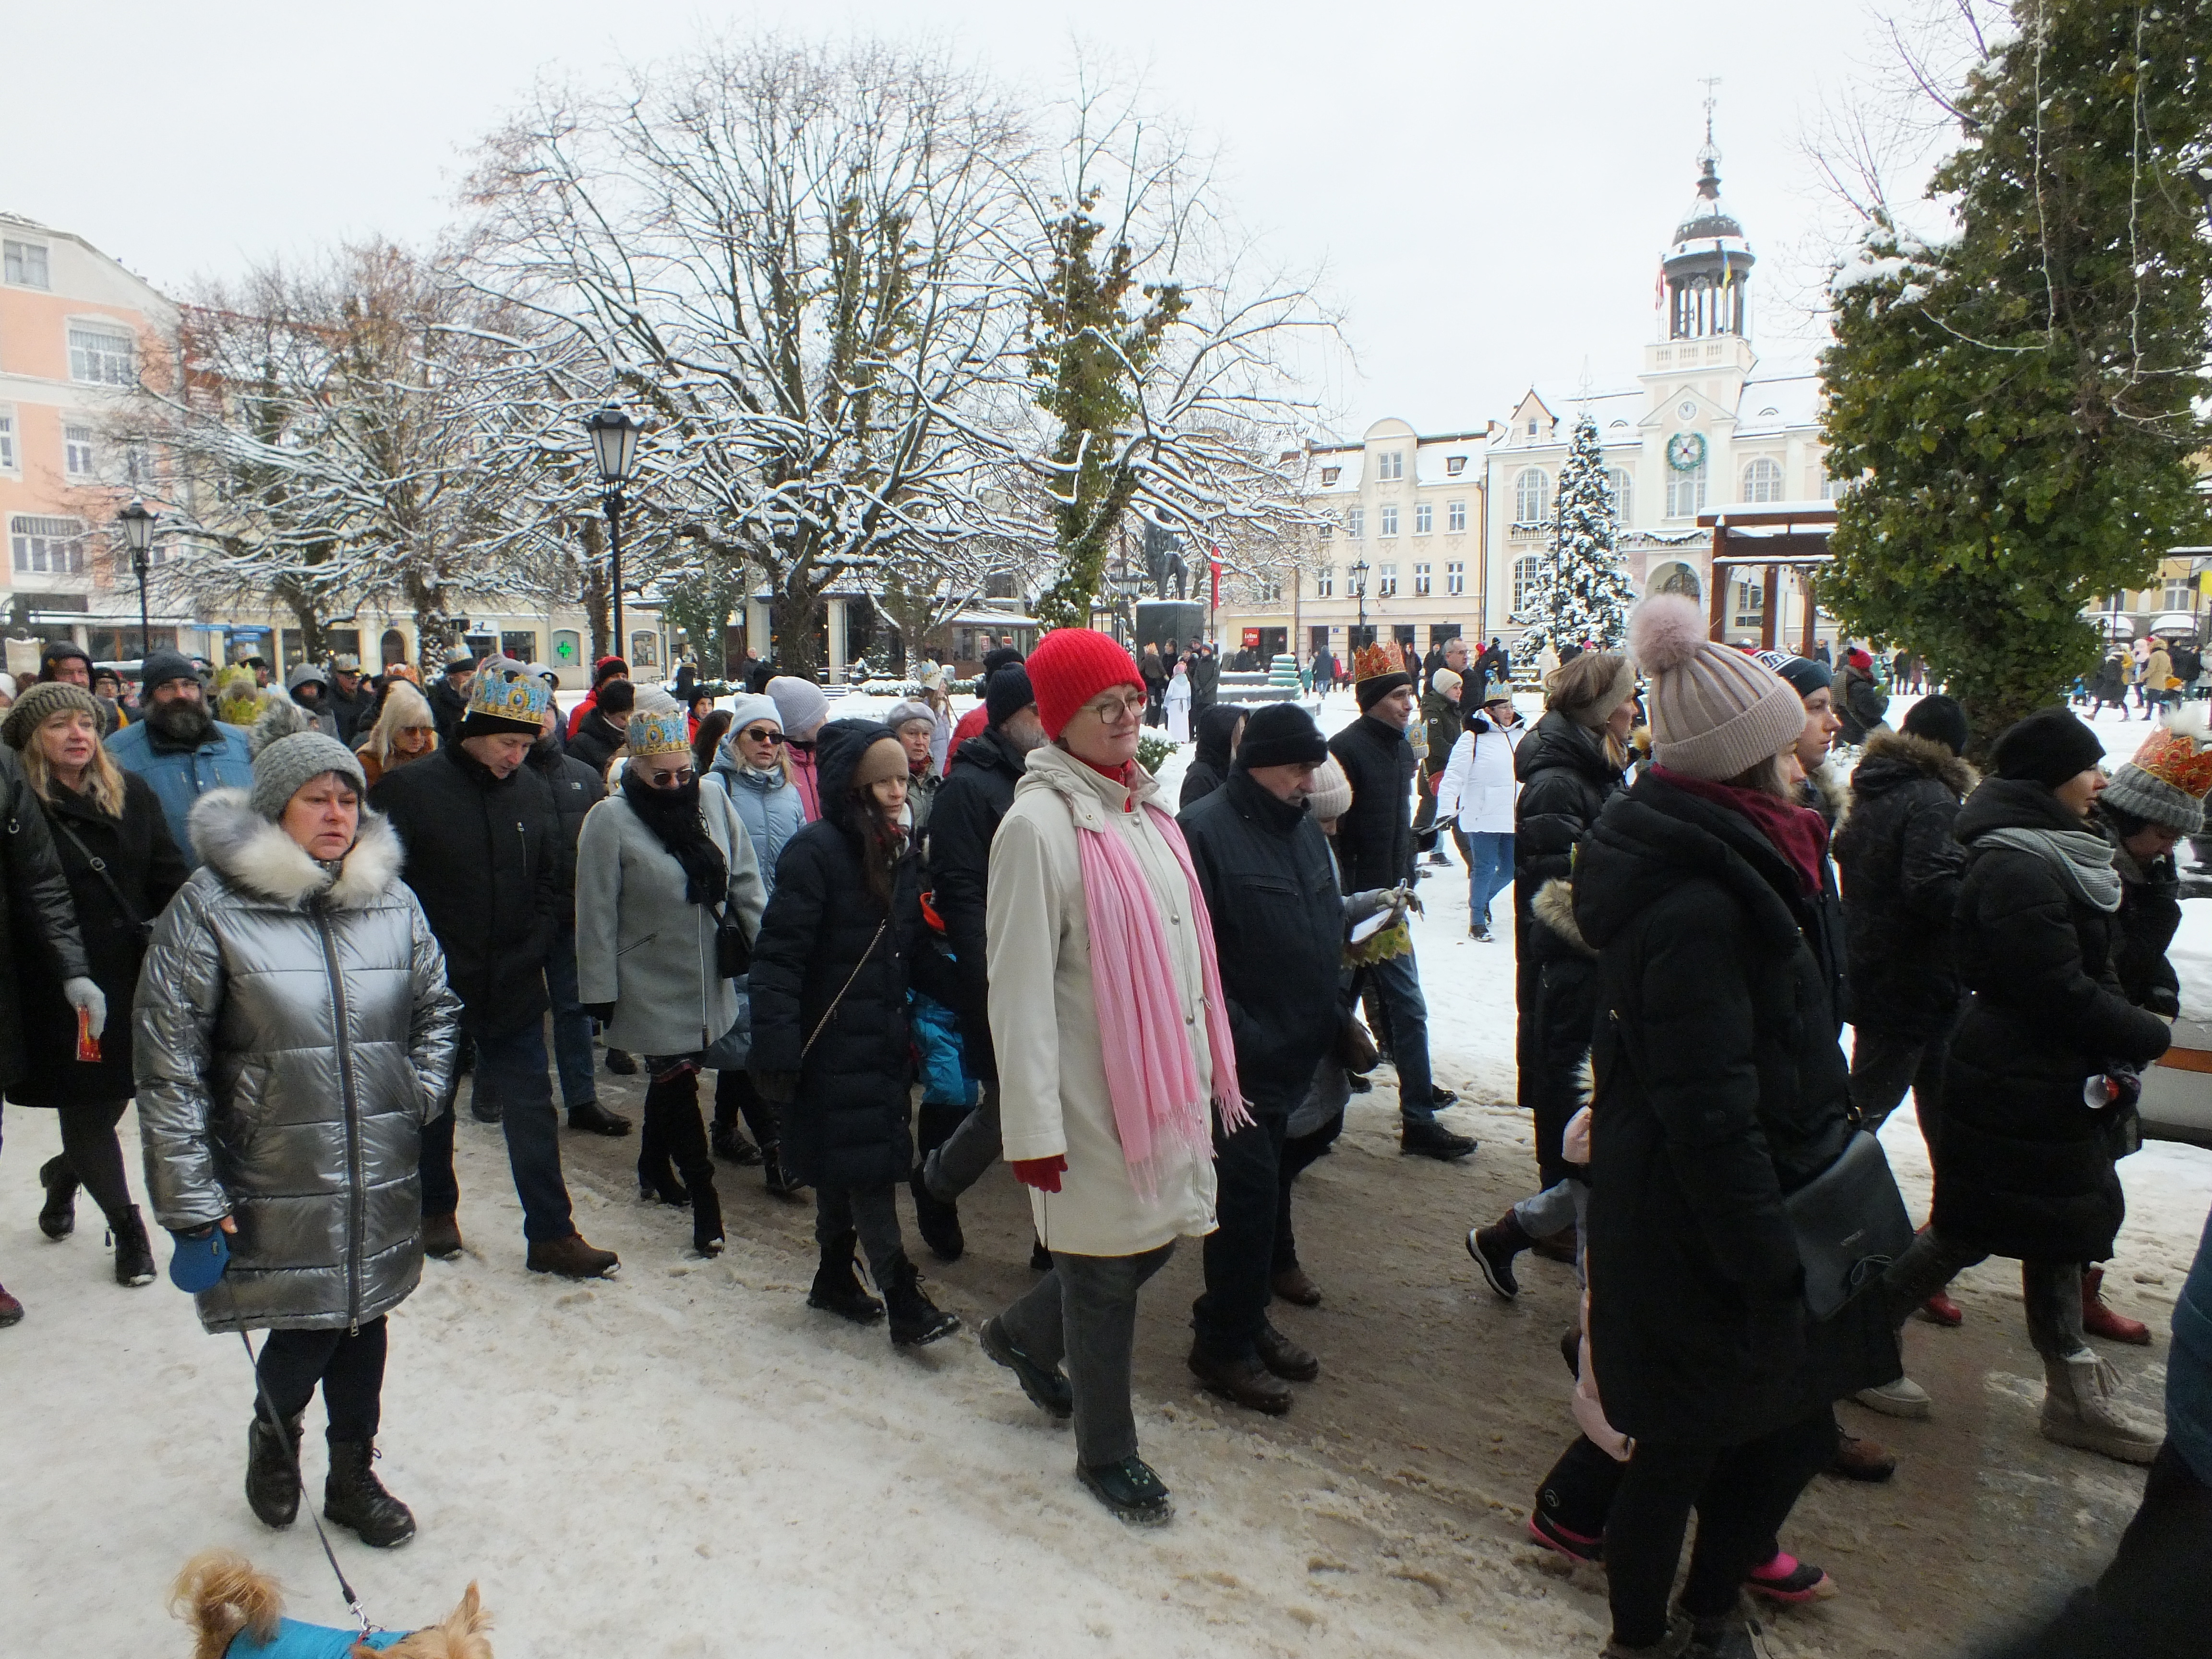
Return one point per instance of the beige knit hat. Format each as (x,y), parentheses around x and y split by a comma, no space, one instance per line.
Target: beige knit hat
(1716,712)
(43,700)
(1329,794)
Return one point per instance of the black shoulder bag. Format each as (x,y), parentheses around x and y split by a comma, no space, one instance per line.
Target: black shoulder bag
(139,924)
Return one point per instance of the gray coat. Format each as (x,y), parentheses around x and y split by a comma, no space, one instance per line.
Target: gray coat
(644,947)
(293,1033)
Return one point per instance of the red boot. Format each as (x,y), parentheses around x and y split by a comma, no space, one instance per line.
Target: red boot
(2098,1320)
(1940,1310)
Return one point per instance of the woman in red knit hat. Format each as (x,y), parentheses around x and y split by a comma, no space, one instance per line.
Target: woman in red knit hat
(1112,1047)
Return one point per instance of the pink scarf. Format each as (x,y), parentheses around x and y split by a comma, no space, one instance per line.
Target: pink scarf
(1152,1075)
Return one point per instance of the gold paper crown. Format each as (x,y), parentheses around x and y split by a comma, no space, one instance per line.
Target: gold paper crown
(659,731)
(524,699)
(2173,756)
(1372,662)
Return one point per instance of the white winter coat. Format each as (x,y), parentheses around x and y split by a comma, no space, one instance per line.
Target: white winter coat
(1477,785)
(1178,704)
(1044,1021)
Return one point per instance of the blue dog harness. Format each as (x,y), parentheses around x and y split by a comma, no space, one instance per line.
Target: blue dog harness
(297,1641)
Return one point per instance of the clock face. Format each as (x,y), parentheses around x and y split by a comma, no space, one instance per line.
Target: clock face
(1688,408)
(1685,451)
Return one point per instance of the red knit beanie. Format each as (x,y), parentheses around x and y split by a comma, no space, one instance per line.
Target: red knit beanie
(1070,666)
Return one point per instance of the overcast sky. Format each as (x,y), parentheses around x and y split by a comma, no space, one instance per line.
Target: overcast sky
(1485,188)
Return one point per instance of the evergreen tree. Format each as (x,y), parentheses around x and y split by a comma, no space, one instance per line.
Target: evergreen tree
(2015,406)
(1582,591)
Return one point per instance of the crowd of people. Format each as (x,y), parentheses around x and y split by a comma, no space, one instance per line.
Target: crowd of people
(912,948)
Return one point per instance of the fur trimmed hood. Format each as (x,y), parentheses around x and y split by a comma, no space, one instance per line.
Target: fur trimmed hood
(1554,906)
(1895,758)
(252,853)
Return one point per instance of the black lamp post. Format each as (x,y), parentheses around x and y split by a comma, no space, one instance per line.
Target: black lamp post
(1358,574)
(614,445)
(138,533)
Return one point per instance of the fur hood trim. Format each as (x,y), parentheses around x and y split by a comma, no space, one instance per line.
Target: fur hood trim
(1924,755)
(1834,783)
(1554,906)
(252,853)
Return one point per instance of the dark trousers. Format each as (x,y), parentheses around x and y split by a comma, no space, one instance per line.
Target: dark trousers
(1298,1152)
(672,1133)
(735,1098)
(1885,1064)
(1082,1315)
(91,1153)
(1396,985)
(2050,1291)
(513,1068)
(872,1212)
(1742,1495)
(350,1365)
(572,1026)
(950,1168)
(1240,1252)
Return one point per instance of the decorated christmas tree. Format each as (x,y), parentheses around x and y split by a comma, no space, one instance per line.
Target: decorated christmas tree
(1583,591)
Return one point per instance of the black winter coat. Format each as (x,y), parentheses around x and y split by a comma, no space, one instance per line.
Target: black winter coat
(1210,765)
(1565,782)
(447,708)
(1375,836)
(2150,912)
(39,939)
(2023,1167)
(1205,681)
(1720,1088)
(576,789)
(144,862)
(1270,887)
(972,799)
(595,741)
(1862,704)
(485,858)
(1902,869)
(846,1125)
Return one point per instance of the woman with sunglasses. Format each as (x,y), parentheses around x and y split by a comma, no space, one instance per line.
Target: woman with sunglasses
(659,863)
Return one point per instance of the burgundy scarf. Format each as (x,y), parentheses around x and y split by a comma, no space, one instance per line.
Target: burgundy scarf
(1798,833)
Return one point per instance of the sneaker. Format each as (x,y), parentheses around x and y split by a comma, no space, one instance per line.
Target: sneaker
(1439,858)
(1130,1490)
(1582,1551)
(1441,1098)
(1433,1141)
(11,1311)
(1903,1398)
(1047,1386)
(1789,1581)
(1479,932)
(1940,1310)
(571,1258)
(1493,1250)
(1860,1459)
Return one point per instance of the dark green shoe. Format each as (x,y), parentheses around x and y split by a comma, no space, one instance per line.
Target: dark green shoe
(1130,1489)
(1045,1385)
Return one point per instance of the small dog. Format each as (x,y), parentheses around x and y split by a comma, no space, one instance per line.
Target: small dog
(237,1613)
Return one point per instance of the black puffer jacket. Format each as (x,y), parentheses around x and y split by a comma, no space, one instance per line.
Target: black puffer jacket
(1375,836)
(1903,868)
(2150,912)
(38,936)
(2023,1168)
(1210,765)
(485,856)
(596,740)
(974,797)
(1862,703)
(576,789)
(1565,782)
(1720,1088)
(847,1126)
(142,860)
(1270,887)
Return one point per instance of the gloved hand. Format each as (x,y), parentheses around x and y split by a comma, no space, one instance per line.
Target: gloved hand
(84,995)
(778,1088)
(1042,1173)
(602,1011)
(1357,907)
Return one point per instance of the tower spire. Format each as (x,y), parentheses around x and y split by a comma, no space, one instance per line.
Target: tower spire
(1709,155)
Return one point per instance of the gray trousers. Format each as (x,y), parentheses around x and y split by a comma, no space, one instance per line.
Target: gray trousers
(1082,1315)
(2050,1290)
(871,1212)
(952,1169)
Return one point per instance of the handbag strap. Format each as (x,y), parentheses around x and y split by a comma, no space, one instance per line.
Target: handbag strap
(840,997)
(100,868)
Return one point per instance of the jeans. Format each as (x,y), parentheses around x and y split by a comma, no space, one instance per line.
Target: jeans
(1884,1064)
(513,1068)
(572,1026)
(349,1364)
(870,1212)
(1397,987)
(735,1096)
(952,1169)
(1082,1315)
(1240,1252)
(1489,869)
(2050,1290)
(1559,1207)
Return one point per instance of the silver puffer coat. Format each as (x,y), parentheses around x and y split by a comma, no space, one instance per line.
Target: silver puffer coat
(293,1035)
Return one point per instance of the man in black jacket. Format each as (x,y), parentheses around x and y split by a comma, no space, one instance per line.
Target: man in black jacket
(449,697)
(956,1148)
(1205,680)
(484,859)
(1375,848)
(576,789)
(348,702)
(604,727)
(1278,935)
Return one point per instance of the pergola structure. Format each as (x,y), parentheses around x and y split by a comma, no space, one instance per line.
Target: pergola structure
(1780,536)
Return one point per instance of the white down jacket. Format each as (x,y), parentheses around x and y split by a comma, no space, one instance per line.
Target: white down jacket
(1478,786)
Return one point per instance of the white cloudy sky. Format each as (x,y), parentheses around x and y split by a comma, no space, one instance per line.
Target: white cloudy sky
(1484,187)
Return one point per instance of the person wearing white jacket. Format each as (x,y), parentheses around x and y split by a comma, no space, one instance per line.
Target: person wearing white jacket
(1476,795)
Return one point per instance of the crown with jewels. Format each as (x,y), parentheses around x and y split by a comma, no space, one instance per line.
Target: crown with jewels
(1372,662)
(659,731)
(524,698)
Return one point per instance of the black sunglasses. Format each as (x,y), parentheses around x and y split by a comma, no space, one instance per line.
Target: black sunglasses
(762,734)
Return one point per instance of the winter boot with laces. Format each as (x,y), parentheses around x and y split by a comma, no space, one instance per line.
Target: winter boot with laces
(134,1255)
(781,1183)
(353,1497)
(837,1288)
(58,1215)
(2078,1410)
(915,1320)
(272,1471)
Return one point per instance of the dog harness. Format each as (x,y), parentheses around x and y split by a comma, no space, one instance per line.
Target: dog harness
(297,1641)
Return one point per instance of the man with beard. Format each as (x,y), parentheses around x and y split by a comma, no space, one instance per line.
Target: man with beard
(179,747)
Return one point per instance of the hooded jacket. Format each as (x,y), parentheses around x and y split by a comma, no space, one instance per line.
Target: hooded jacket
(966,817)
(1566,780)
(2149,916)
(2023,1167)
(767,804)
(1902,870)
(1210,765)
(1478,786)
(295,1033)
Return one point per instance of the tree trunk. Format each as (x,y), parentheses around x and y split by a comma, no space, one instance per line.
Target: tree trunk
(795,621)
(597,595)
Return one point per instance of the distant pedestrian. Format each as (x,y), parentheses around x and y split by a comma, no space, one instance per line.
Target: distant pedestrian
(1178,703)
(1475,798)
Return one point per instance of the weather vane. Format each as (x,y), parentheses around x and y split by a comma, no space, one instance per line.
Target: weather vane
(1709,81)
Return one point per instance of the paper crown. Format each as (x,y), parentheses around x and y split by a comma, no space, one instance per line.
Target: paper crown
(2176,754)
(522,699)
(659,731)
(1372,662)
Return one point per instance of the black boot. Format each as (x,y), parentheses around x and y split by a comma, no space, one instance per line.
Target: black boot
(272,1471)
(656,1170)
(706,1215)
(353,1497)
(780,1180)
(134,1255)
(837,1288)
(915,1319)
(58,1215)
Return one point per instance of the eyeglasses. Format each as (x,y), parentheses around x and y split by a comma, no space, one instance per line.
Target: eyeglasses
(675,780)
(762,734)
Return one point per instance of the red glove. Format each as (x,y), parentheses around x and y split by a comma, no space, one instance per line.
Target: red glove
(1042,1173)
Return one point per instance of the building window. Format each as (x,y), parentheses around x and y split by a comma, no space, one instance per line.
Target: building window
(1456,577)
(102,356)
(1355,523)
(1328,529)
(1390,465)
(47,546)
(1390,520)
(1325,582)
(1455,517)
(77,451)
(1425,519)
(1686,492)
(1833,489)
(8,461)
(1330,475)
(1531,426)
(2180,594)
(24,264)
(1762,481)
(1624,492)
(1386,581)
(1421,584)
(1453,465)
(1525,580)
(1532,496)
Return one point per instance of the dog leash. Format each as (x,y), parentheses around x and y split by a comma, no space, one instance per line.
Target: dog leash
(352,1600)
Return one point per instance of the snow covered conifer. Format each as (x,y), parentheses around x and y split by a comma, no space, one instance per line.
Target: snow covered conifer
(1583,590)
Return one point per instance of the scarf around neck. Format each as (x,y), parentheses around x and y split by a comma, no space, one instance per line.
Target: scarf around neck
(2082,859)
(674,818)
(1797,833)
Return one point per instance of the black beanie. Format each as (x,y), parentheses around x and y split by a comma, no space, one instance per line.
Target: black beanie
(1940,720)
(2048,747)
(1370,692)
(1007,693)
(998,657)
(1281,734)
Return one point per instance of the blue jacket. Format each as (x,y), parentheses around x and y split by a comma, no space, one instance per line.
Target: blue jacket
(2189,1366)
(297,1641)
(181,776)
(767,804)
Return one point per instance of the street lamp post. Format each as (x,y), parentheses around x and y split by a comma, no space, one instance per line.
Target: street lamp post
(614,446)
(138,533)
(1359,575)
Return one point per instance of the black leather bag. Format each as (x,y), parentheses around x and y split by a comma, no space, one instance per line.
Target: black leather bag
(733,951)
(1850,1224)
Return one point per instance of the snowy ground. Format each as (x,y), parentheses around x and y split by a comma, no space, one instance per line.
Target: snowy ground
(684,1461)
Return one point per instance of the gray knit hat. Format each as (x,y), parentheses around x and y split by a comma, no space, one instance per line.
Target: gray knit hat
(2166,781)
(909,709)
(1329,794)
(283,768)
(1715,711)
(46,698)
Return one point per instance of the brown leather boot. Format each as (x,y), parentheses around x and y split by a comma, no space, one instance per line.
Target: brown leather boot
(572,1258)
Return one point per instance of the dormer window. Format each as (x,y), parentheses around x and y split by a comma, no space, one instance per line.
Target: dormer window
(1330,475)
(1453,465)
(1531,426)
(1390,465)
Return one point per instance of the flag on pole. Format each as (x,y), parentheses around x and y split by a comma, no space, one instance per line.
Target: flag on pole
(1213,561)
(1659,286)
